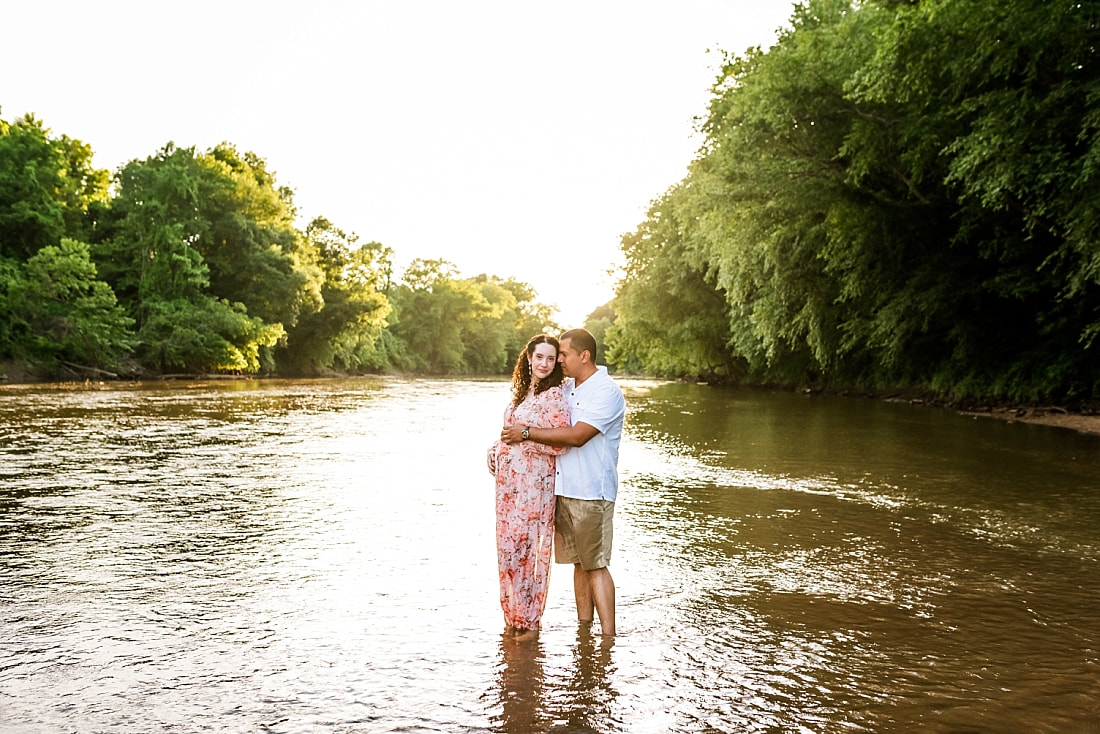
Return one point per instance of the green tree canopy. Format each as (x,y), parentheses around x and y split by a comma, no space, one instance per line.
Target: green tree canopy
(896,193)
(682,332)
(47,186)
(217,223)
(196,264)
(203,250)
(67,313)
(343,332)
(444,323)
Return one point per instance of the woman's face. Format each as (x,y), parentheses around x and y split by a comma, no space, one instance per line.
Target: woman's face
(543,360)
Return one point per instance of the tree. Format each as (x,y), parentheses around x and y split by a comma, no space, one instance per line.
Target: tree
(895,194)
(443,323)
(201,248)
(205,335)
(149,252)
(597,323)
(13,329)
(519,316)
(68,314)
(1000,105)
(46,188)
(435,311)
(343,332)
(670,318)
(234,225)
(254,252)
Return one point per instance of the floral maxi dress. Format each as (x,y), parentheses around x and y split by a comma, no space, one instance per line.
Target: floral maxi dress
(525,509)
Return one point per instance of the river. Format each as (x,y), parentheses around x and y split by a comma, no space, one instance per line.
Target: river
(318,556)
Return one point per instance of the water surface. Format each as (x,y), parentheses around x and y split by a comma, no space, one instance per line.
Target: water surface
(318,556)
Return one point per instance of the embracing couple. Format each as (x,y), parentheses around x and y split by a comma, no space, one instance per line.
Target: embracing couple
(556,479)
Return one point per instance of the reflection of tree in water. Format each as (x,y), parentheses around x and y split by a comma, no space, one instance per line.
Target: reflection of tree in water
(577,703)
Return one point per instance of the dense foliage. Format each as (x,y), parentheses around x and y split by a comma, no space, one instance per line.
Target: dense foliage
(191,262)
(897,193)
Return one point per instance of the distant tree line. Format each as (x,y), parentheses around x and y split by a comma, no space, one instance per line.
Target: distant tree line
(190,262)
(898,193)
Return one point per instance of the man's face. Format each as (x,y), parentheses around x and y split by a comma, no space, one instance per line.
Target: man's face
(570,360)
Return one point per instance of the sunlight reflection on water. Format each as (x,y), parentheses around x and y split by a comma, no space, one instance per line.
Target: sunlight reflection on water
(318,556)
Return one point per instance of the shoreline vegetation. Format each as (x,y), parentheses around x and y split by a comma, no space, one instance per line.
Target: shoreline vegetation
(893,194)
(1084,419)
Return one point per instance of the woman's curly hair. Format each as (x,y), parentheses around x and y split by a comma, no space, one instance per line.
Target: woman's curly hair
(521,375)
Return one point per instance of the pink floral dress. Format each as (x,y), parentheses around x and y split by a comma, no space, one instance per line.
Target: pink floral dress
(525,508)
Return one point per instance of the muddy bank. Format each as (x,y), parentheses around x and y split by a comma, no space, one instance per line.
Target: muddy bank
(1084,419)
(1083,422)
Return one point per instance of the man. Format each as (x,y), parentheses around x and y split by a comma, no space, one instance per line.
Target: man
(587,480)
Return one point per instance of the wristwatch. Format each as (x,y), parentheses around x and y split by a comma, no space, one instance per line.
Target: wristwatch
(526,433)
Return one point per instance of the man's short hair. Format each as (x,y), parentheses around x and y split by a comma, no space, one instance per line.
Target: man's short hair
(581,340)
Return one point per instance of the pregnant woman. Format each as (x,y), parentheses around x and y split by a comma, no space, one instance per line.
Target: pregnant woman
(525,485)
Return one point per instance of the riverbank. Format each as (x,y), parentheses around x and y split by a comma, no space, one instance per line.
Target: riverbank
(1086,420)
(1082,421)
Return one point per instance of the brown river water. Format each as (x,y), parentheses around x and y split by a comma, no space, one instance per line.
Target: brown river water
(318,556)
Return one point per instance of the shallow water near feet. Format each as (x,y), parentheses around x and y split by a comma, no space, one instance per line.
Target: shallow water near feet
(318,556)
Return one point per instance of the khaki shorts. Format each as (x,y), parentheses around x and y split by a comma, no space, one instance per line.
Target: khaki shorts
(582,532)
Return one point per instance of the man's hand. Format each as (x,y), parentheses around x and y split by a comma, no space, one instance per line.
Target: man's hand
(564,437)
(511,435)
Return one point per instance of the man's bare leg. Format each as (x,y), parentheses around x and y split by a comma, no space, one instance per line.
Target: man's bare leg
(595,594)
(582,590)
(603,596)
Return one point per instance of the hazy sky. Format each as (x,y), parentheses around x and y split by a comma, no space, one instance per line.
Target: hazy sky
(518,139)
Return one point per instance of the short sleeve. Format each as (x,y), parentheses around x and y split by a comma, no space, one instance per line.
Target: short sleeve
(602,408)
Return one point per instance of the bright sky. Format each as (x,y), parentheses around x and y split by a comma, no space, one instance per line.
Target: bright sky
(517,139)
